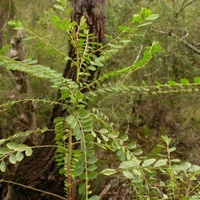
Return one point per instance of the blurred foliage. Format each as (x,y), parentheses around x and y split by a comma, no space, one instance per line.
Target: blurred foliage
(171,114)
(36,18)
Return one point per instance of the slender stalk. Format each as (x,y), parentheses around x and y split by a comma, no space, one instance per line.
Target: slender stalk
(69,178)
(170,167)
(85,161)
(35,189)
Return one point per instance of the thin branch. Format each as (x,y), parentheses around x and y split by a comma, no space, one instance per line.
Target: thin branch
(184,6)
(137,58)
(105,190)
(31,188)
(189,45)
(189,3)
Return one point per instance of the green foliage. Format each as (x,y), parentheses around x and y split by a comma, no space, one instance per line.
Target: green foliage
(14,152)
(84,131)
(164,174)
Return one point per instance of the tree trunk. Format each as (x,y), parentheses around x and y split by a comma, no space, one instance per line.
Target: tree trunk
(40,170)
(27,116)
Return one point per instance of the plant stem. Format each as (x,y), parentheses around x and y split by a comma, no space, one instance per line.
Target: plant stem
(69,181)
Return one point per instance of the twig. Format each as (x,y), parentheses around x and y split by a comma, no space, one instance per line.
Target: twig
(189,45)
(105,190)
(184,6)
(35,189)
(137,58)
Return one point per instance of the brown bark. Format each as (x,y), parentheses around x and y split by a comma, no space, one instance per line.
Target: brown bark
(40,170)
(93,12)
